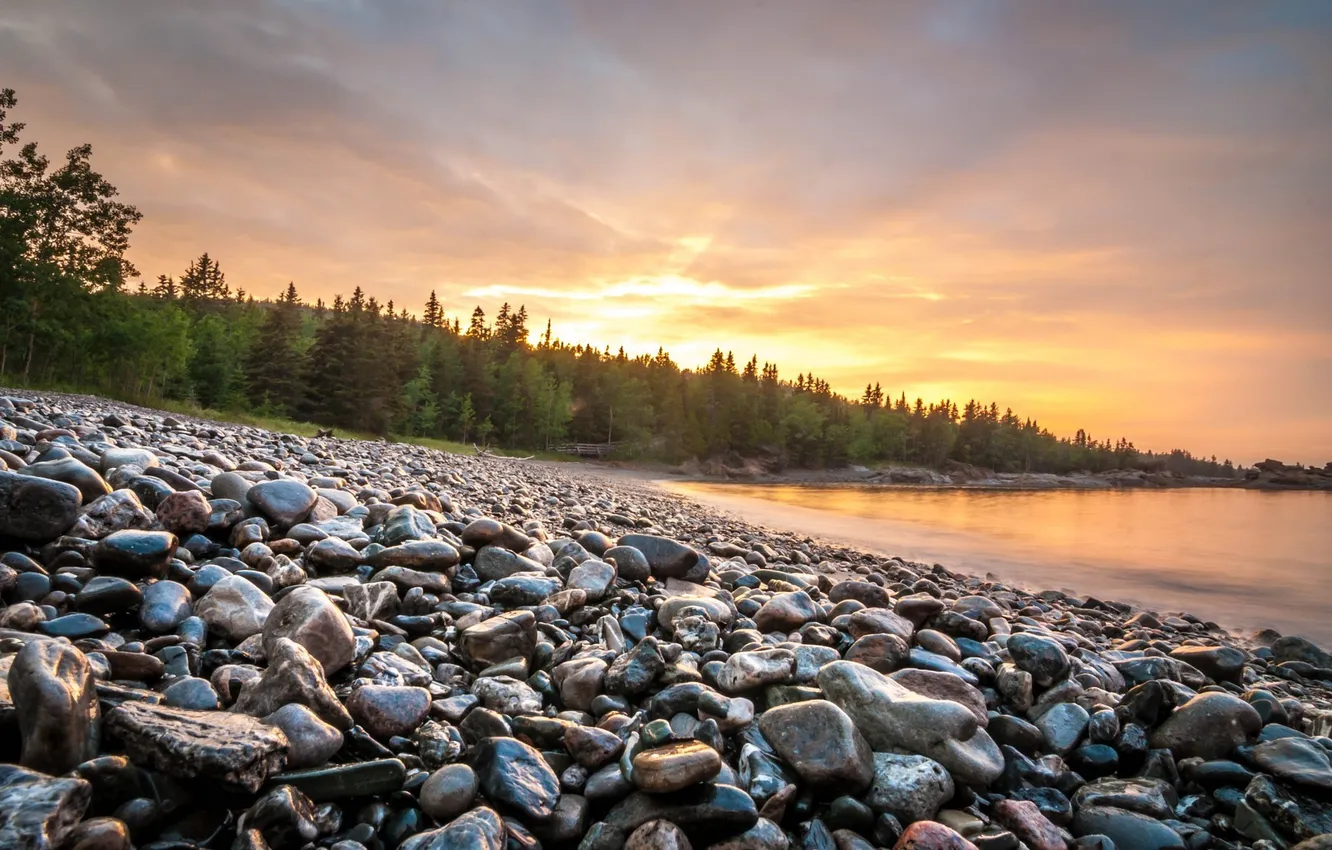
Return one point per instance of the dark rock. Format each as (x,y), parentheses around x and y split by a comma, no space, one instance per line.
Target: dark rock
(35,508)
(1126,829)
(515,776)
(39,812)
(344,781)
(135,554)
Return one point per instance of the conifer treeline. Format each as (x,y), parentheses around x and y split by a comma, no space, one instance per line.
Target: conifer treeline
(68,317)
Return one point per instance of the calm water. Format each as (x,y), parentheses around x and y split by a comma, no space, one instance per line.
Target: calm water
(1245,559)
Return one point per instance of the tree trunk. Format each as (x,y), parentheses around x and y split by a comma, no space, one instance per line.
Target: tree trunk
(4,356)
(27,361)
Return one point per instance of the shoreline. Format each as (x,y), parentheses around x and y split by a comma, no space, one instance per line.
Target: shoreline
(924,478)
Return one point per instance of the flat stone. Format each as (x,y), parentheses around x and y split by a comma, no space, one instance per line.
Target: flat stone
(135,554)
(231,748)
(674,767)
(344,781)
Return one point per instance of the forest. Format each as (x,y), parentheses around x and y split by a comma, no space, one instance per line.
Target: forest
(74,312)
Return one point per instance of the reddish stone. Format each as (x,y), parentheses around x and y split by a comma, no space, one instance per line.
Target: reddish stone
(1024,819)
(929,835)
(184,513)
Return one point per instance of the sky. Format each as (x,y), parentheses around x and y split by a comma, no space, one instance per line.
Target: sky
(1113,216)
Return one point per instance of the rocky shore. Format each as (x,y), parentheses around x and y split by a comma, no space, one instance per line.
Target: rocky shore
(218,636)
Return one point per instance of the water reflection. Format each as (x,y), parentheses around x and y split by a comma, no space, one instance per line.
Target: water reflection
(1243,558)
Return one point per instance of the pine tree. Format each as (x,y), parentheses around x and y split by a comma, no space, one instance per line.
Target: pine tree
(434,315)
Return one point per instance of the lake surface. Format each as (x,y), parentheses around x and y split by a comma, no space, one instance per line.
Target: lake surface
(1244,559)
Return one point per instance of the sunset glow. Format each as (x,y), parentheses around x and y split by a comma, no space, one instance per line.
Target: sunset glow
(1115,217)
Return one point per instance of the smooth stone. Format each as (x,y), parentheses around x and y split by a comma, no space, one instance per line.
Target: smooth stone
(1063,726)
(894,718)
(745,671)
(493,563)
(666,558)
(108,595)
(658,835)
(945,686)
(116,511)
(1126,829)
(1024,819)
(36,509)
(931,835)
(821,743)
(510,635)
(786,612)
(70,471)
(376,600)
(675,766)
(388,710)
(165,605)
(345,781)
(1296,760)
(1042,657)
(283,502)
(308,616)
(190,692)
(135,554)
(55,700)
(230,748)
(312,741)
(333,554)
(74,626)
(449,791)
(1209,726)
(234,608)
